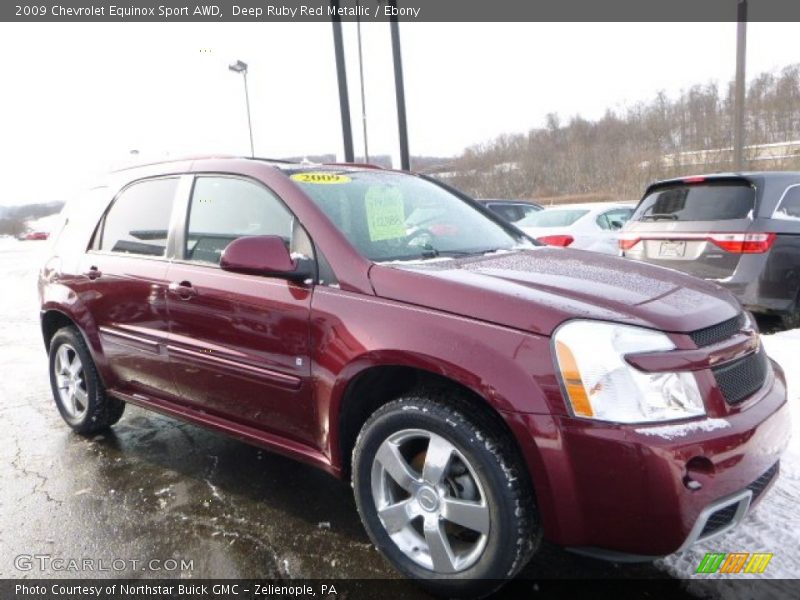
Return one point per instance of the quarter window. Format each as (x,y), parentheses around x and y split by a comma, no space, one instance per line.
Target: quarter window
(790,205)
(138,220)
(226,208)
(614,219)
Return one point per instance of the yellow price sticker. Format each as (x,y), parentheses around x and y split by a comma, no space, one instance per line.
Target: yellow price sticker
(320,177)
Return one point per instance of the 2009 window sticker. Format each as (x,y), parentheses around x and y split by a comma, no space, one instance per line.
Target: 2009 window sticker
(322,178)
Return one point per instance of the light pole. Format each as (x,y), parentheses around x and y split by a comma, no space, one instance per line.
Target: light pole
(400,92)
(241,67)
(341,76)
(739,86)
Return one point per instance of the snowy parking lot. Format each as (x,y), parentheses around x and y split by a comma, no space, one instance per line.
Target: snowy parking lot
(155,488)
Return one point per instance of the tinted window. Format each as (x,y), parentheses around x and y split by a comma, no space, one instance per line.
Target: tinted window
(717,202)
(508,212)
(529,210)
(225,208)
(557,217)
(392,216)
(790,204)
(138,220)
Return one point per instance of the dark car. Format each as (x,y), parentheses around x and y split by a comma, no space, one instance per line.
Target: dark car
(511,210)
(740,230)
(479,390)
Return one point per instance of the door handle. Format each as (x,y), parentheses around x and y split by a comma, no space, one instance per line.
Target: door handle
(93,273)
(183,289)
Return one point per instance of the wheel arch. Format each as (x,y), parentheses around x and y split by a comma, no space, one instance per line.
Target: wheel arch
(373,386)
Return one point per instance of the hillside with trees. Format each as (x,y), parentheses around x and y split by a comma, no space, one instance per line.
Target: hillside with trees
(616,156)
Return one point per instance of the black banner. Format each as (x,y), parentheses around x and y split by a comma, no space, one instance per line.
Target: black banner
(396,589)
(404,10)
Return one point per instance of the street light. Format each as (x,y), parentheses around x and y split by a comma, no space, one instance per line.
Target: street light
(241,67)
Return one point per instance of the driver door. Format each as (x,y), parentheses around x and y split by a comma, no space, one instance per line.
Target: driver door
(239,344)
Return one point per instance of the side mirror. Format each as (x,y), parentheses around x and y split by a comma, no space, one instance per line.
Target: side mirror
(265,255)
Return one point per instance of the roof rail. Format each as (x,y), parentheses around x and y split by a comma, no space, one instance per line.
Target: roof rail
(169,159)
(283,161)
(353,164)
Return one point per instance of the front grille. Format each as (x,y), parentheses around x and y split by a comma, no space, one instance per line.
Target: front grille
(760,484)
(724,516)
(719,519)
(719,332)
(742,378)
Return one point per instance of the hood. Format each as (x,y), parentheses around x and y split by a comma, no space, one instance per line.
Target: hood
(536,290)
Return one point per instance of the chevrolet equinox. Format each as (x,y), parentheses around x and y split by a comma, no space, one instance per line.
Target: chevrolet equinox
(481,391)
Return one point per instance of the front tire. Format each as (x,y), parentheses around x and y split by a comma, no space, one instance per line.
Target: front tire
(77,389)
(443,495)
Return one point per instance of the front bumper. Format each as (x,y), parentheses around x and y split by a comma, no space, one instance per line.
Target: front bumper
(647,491)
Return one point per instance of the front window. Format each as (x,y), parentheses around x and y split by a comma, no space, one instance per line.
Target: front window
(226,208)
(393,216)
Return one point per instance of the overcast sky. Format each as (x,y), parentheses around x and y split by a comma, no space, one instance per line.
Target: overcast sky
(77,98)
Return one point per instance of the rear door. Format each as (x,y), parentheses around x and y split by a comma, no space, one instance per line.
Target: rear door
(125,286)
(701,226)
(239,344)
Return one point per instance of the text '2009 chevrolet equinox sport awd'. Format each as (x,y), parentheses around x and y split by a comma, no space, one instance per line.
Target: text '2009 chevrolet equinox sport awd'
(481,391)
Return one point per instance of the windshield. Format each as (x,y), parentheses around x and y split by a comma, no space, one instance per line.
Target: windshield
(552,218)
(714,202)
(393,216)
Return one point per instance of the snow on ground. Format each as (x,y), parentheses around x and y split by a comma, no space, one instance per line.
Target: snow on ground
(774,525)
(44,224)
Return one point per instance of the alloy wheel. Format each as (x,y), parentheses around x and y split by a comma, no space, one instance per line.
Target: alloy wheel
(71,382)
(430,501)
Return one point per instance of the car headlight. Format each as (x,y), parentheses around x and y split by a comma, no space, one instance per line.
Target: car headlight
(600,384)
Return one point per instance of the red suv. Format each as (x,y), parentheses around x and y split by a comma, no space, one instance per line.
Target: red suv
(481,391)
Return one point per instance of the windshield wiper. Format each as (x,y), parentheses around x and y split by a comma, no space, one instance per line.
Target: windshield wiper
(659,217)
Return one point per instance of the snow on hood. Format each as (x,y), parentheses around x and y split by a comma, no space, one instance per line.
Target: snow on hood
(536,290)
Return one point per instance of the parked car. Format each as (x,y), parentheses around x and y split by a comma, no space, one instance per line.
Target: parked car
(479,390)
(35,236)
(591,226)
(739,230)
(511,210)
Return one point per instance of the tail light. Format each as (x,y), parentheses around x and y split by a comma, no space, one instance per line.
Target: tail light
(626,243)
(557,240)
(743,243)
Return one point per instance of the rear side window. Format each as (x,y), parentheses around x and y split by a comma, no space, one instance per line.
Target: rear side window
(226,208)
(710,202)
(138,220)
(789,207)
(507,211)
(614,219)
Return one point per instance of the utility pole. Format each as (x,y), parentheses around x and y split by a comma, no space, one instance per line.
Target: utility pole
(739,86)
(400,93)
(341,73)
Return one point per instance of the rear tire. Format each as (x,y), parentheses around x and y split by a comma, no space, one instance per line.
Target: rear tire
(443,494)
(791,320)
(77,388)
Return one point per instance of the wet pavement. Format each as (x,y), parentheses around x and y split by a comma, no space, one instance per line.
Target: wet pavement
(154,488)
